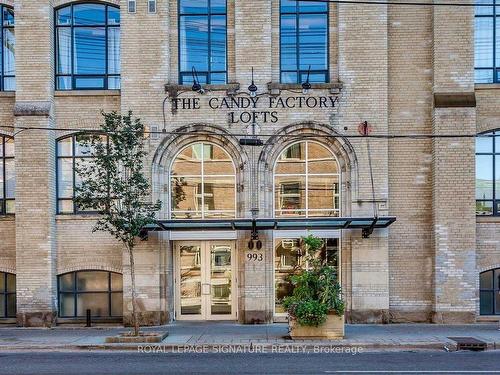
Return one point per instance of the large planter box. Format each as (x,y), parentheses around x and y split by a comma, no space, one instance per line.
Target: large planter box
(333,328)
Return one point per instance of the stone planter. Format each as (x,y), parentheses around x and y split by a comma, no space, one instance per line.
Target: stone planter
(144,337)
(333,328)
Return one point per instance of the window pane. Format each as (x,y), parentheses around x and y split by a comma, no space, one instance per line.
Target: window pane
(92,281)
(65,147)
(194,43)
(484,144)
(2,194)
(11,305)
(89,50)
(9,83)
(484,177)
(288,52)
(314,77)
(116,282)
(218,78)
(89,83)
(217,161)
(9,147)
(484,207)
(8,16)
(98,303)
(9,60)
(114,83)
(116,304)
(497,302)
(313,6)
(186,193)
(10,178)
(2,282)
(288,6)
(186,215)
(292,160)
(290,193)
(496,280)
(497,36)
(67,282)
(2,305)
(482,10)
(89,14)
(321,192)
(320,159)
(219,194)
(64,83)
(218,6)
(486,280)
(486,303)
(113,16)
(483,51)
(289,77)
(313,41)
(66,304)
(114,50)
(63,50)
(483,76)
(194,6)
(65,177)
(64,16)
(188,162)
(11,282)
(65,206)
(218,43)
(10,206)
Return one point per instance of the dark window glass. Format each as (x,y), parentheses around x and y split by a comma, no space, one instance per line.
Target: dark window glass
(99,291)
(88,47)
(488,173)
(203,41)
(489,292)
(7,295)
(487,42)
(7,53)
(303,41)
(7,175)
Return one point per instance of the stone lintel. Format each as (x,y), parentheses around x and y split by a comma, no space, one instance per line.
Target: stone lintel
(454,99)
(33,108)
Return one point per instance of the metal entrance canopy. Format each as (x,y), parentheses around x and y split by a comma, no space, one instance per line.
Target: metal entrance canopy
(366,224)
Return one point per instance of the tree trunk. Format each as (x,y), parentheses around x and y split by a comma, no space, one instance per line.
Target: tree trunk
(135,318)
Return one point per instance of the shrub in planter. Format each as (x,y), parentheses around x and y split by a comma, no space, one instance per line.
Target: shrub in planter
(317,292)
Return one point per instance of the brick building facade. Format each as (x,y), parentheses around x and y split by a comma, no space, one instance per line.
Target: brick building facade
(402,69)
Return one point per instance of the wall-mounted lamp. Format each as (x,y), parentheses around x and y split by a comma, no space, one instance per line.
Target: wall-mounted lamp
(196,82)
(253,88)
(306,86)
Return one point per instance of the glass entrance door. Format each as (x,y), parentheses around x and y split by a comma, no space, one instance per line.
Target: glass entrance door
(205,280)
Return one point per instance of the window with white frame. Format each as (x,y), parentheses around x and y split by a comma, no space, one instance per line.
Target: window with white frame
(202,183)
(306,181)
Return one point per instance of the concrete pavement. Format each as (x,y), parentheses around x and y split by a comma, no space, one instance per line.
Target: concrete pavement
(211,334)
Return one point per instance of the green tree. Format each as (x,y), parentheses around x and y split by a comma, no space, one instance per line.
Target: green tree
(113,184)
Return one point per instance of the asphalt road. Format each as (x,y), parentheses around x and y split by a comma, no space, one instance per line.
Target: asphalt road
(123,363)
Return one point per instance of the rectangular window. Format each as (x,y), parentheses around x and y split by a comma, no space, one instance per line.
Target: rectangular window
(152,6)
(487,42)
(303,41)
(203,41)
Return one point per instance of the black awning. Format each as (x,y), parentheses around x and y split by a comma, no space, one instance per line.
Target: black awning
(367,224)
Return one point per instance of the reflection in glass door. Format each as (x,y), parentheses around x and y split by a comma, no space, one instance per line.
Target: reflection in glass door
(205,280)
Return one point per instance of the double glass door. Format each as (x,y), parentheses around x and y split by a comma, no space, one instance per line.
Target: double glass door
(205,280)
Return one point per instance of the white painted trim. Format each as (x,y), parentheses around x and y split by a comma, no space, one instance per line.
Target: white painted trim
(203,235)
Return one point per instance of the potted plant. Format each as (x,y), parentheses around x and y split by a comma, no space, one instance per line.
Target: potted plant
(316,307)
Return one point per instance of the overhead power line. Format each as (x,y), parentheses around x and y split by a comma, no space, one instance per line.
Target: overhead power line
(400,3)
(245,135)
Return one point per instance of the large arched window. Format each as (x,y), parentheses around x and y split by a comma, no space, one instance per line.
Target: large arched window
(101,292)
(489,292)
(8,64)
(306,181)
(87,47)
(202,183)
(7,175)
(488,173)
(303,41)
(7,295)
(70,151)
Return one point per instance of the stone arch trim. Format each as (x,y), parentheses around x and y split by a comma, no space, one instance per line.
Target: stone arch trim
(8,267)
(62,3)
(9,3)
(321,133)
(489,268)
(90,267)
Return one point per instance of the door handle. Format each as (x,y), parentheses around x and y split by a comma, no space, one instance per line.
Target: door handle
(205,289)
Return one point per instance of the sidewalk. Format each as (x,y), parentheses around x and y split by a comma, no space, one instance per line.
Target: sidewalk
(211,334)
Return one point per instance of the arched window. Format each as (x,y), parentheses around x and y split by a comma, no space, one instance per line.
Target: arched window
(202,41)
(303,41)
(87,47)
(99,291)
(7,295)
(486,41)
(488,173)
(7,175)
(489,292)
(306,181)
(8,71)
(69,151)
(202,183)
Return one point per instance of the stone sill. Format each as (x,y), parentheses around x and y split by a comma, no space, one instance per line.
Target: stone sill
(88,217)
(63,93)
(488,318)
(488,219)
(7,94)
(487,86)
(10,217)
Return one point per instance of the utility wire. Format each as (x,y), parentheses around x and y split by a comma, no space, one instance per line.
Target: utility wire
(398,3)
(245,135)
